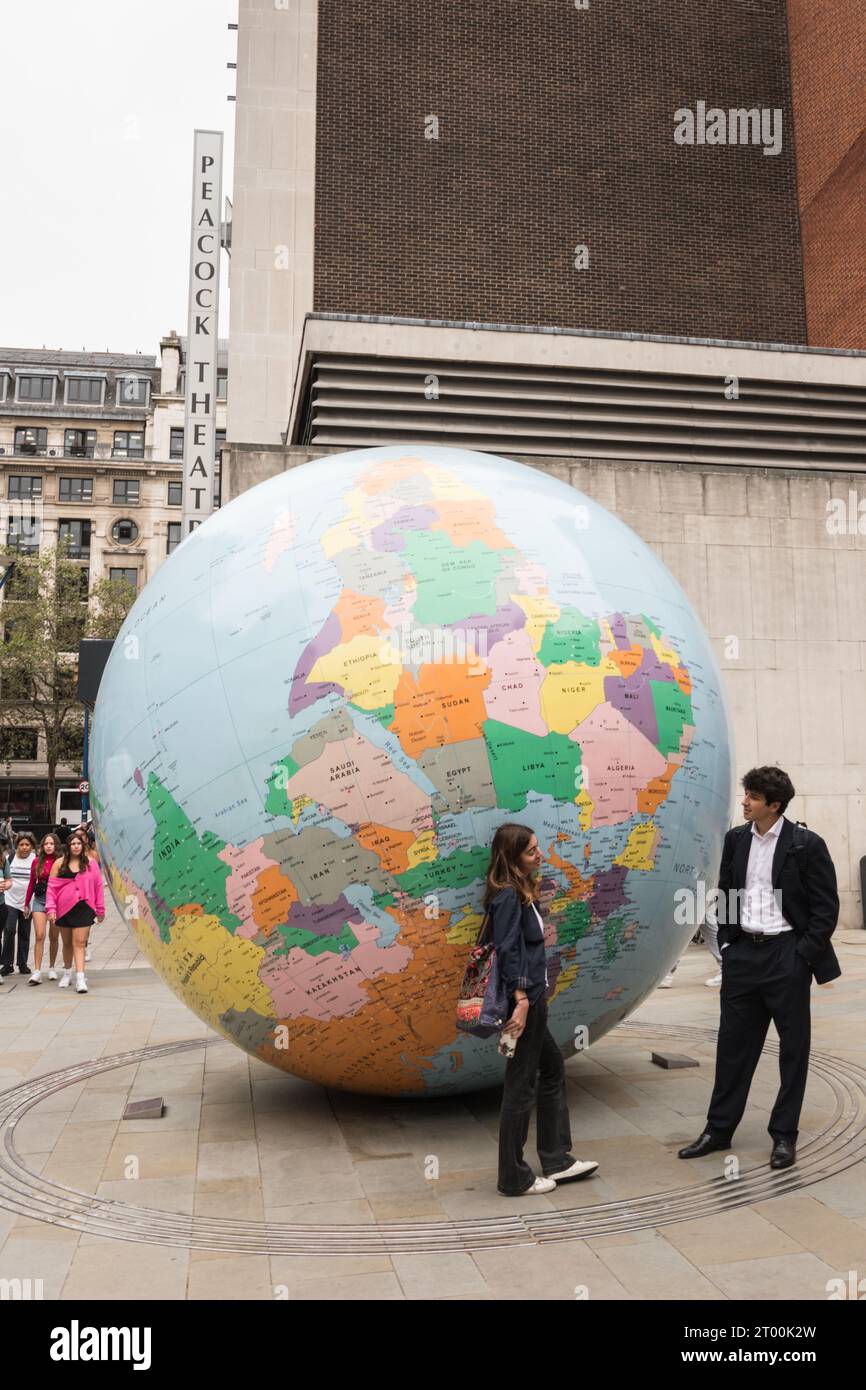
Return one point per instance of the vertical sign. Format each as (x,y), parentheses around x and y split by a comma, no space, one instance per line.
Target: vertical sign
(199,446)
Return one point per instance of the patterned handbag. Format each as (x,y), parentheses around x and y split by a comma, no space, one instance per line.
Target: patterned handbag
(482,1004)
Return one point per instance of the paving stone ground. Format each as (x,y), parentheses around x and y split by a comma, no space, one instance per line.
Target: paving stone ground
(239,1140)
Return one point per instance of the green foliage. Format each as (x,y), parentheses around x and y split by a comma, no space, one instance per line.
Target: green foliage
(110,601)
(45,610)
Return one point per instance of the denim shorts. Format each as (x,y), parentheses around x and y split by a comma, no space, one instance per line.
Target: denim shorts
(37,903)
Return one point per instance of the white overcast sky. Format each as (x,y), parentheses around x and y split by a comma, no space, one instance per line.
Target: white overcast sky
(98,103)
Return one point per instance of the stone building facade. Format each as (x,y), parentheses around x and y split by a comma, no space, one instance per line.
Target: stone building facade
(91,448)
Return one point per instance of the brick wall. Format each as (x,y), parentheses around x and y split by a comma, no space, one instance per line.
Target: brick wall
(556,130)
(828,72)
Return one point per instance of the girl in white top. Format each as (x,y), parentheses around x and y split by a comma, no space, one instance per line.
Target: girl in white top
(17,915)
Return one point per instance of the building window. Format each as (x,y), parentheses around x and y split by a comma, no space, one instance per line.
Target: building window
(19,745)
(132,390)
(124,576)
(83,390)
(5,378)
(175,494)
(222,386)
(36,388)
(71,746)
(71,585)
(70,629)
(176,447)
(75,490)
(79,444)
(76,536)
(173,536)
(22,586)
(65,681)
(31,441)
(20,485)
(124,532)
(129,444)
(219,441)
(23,534)
(125,490)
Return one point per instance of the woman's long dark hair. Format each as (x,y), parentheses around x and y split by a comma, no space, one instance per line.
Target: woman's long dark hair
(504,870)
(41,857)
(62,862)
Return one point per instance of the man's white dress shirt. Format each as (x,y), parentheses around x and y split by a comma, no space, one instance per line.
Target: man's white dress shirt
(761,910)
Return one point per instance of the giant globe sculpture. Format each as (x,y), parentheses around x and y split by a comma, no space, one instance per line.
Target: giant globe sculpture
(325,702)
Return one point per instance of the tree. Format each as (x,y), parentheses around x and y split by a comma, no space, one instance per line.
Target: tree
(45,613)
(110,601)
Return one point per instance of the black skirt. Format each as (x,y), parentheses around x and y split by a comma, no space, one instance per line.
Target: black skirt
(81,915)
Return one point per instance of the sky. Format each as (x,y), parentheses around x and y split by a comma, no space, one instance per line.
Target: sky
(98,103)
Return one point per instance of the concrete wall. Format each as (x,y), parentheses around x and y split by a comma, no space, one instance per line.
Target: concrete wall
(781,598)
(271,276)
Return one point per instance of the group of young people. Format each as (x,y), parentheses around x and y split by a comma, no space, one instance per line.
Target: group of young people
(778,881)
(58,887)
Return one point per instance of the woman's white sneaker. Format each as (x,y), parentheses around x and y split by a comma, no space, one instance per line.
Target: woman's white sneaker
(52,974)
(81,982)
(577,1170)
(714,980)
(36,977)
(65,980)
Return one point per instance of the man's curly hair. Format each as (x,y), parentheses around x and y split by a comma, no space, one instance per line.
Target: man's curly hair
(772,784)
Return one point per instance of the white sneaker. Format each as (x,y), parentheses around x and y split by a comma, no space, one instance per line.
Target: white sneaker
(81,982)
(714,980)
(36,977)
(577,1170)
(87,953)
(540,1185)
(65,980)
(52,973)
(666,982)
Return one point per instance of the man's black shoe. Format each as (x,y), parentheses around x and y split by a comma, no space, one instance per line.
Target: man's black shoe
(24,970)
(784,1153)
(6,970)
(705,1144)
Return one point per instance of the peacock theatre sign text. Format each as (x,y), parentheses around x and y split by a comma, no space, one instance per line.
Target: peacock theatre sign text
(199,450)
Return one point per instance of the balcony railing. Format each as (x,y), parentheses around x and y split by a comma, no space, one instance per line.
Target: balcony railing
(84,453)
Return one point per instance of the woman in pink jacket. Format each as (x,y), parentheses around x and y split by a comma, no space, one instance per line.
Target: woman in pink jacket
(75,901)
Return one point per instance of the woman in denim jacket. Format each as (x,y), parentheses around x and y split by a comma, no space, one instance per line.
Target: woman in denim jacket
(518,935)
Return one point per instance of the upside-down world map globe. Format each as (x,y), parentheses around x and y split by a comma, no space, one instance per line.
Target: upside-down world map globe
(325,702)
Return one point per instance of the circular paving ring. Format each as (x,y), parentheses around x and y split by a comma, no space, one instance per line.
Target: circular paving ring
(838,1146)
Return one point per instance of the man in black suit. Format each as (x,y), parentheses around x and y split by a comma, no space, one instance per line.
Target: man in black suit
(778,909)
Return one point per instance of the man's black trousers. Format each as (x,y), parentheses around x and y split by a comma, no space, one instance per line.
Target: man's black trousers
(763,979)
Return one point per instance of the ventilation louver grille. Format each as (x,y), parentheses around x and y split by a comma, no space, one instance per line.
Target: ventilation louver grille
(577,412)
